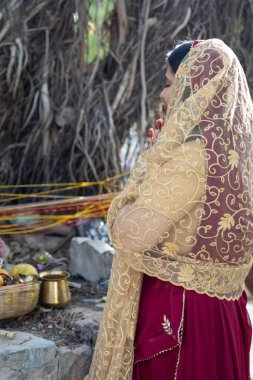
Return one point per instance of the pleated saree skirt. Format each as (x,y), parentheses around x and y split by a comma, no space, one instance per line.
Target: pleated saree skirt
(183,335)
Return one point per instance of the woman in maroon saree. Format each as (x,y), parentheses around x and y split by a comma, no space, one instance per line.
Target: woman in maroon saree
(182,229)
(216,334)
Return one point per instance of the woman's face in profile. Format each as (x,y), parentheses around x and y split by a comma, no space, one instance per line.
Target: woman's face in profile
(165,95)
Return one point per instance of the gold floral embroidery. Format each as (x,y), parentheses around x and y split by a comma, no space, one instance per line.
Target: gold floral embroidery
(132,330)
(226,222)
(166,325)
(182,69)
(233,158)
(170,248)
(186,273)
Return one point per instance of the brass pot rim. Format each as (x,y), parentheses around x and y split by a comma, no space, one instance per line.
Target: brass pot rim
(63,275)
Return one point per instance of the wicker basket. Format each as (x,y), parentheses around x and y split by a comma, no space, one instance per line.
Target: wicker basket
(16,300)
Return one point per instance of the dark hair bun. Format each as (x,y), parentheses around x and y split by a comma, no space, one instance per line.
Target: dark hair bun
(175,56)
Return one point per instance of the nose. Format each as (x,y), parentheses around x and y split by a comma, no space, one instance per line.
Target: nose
(162,95)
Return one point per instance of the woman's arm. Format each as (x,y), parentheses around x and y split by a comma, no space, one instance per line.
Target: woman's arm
(139,225)
(138,228)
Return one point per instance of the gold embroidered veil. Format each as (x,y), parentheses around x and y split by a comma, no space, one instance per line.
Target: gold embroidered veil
(185,214)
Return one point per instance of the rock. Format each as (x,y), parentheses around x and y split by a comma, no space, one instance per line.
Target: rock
(50,243)
(87,329)
(47,372)
(93,229)
(4,250)
(100,305)
(28,357)
(91,259)
(52,240)
(74,364)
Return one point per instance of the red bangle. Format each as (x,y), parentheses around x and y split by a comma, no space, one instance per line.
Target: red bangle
(150,132)
(159,123)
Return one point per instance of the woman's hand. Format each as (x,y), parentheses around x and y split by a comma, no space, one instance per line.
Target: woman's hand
(153,133)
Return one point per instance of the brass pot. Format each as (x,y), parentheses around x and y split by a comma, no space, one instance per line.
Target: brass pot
(54,290)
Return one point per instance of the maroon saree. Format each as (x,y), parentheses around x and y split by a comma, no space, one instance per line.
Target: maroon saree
(215,335)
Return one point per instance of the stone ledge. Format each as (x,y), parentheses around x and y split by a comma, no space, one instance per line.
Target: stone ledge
(74,364)
(29,357)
